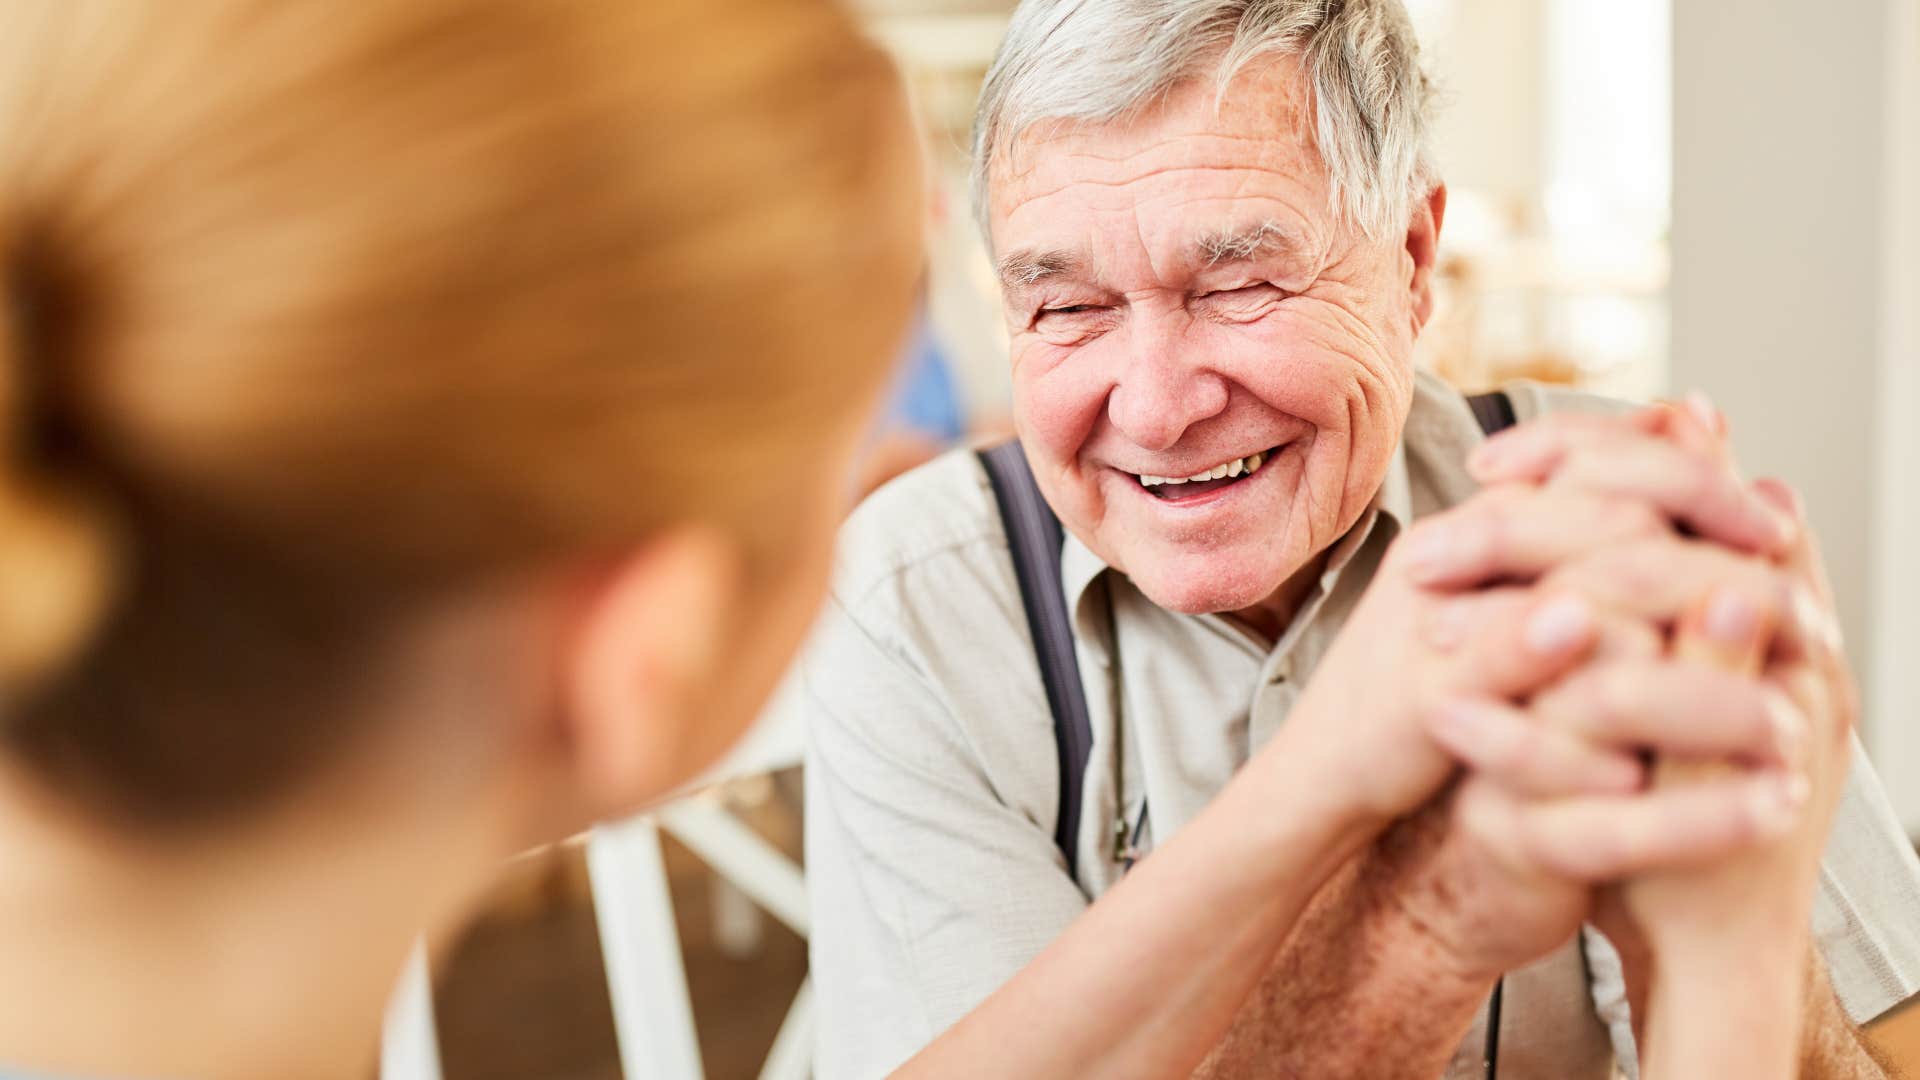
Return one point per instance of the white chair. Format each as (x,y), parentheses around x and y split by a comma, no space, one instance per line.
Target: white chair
(409,1048)
(646,977)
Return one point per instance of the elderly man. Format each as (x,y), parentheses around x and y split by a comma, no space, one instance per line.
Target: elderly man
(1216,225)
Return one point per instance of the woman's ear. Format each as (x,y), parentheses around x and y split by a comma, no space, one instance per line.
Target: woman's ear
(1423,250)
(650,637)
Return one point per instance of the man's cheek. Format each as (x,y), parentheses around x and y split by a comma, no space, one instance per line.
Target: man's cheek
(1058,411)
(1318,372)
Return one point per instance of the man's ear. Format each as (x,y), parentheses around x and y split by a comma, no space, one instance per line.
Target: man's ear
(651,636)
(1423,249)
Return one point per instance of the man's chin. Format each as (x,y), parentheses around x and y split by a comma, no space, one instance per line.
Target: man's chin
(1213,586)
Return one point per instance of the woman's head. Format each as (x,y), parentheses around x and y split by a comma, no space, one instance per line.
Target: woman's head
(332,326)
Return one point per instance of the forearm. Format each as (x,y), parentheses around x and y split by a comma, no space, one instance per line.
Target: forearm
(1149,978)
(1716,1012)
(1748,1015)
(1834,1048)
(1357,990)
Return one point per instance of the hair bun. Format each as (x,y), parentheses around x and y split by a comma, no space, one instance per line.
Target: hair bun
(57,554)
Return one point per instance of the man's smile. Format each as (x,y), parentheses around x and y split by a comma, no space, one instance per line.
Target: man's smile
(1197,486)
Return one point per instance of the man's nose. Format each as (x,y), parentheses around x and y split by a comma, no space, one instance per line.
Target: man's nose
(1161,393)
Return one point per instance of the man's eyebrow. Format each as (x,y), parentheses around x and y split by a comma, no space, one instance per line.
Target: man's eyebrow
(1021,269)
(1241,243)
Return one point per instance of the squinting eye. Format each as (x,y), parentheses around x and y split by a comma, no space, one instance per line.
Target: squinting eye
(1246,298)
(1071,323)
(1259,290)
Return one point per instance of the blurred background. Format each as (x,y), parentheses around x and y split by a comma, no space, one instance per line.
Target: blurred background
(1647,197)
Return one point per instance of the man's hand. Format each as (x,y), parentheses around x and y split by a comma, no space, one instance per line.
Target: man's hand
(1806,679)
(1405,653)
(1684,929)
(1592,506)
(1751,912)
(1504,872)
(1418,918)
(1403,944)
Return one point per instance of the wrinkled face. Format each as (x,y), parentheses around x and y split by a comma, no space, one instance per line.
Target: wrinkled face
(1185,304)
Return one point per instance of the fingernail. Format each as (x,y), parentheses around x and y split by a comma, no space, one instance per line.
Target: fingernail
(1781,496)
(1785,529)
(1731,620)
(1559,626)
(1431,550)
(1778,801)
(1789,727)
(1797,789)
(1441,551)
(1703,410)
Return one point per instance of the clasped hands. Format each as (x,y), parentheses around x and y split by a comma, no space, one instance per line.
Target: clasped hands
(1615,686)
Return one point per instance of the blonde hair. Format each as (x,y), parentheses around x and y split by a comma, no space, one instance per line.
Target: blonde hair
(317,310)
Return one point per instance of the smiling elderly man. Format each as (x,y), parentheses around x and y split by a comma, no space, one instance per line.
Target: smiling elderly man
(1216,224)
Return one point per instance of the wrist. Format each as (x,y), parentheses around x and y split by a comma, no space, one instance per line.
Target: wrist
(1700,996)
(1774,936)
(1352,990)
(1445,899)
(1774,945)
(1319,800)
(1430,962)
(1403,916)
(1372,768)
(1700,968)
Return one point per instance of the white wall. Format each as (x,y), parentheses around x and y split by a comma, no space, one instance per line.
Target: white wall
(1896,690)
(1791,298)
(1489,57)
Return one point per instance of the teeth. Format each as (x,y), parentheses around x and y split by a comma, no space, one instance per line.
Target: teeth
(1245,466)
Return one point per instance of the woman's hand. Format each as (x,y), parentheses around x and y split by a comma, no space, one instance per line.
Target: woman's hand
(1749,914)
(1525,816)
(1508,870)
(1682,930)
(1562,488)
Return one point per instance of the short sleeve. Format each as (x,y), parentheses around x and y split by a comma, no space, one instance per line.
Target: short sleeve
(1866,915)
(929,891)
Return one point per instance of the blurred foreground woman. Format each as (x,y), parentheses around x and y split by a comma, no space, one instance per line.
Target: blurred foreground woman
(425,422)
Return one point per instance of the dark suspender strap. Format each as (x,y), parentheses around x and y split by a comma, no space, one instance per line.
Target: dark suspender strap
(1034,538)
(1491,1057)
(1495,413)
(1493,410)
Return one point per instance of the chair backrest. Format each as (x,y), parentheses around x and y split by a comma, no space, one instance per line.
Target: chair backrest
(640,946)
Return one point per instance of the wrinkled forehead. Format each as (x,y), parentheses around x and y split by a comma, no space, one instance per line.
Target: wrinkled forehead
(1195,160)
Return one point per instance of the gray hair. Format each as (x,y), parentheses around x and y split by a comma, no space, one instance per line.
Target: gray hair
(1102,60)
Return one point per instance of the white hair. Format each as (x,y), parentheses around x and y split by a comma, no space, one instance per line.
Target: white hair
(1103,60)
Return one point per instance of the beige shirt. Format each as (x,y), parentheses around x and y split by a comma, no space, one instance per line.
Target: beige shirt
(932,784)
